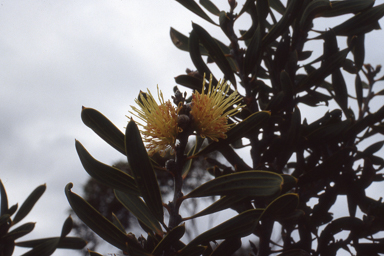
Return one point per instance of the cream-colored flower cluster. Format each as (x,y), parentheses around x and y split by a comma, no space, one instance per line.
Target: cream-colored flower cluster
(209,115)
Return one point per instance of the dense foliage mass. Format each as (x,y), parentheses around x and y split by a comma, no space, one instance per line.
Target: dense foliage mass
(268,77)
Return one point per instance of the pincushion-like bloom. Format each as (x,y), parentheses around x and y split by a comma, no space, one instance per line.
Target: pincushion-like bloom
(160,129)
(211,110)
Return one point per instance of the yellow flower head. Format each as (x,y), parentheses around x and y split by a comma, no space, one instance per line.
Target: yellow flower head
(210,111)
(160,129)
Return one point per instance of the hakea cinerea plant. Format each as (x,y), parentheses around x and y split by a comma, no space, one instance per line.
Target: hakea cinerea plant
(206,115)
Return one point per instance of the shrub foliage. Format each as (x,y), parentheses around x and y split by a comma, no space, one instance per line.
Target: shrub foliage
(292,160)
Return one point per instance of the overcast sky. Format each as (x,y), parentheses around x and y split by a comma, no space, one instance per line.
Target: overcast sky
(57,56)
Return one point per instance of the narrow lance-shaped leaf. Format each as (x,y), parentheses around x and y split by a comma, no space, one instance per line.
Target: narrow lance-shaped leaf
(46,248)
(28,204)
(359,91)
(283,24)
(313,9)
(195,54)
(253,53)
(98,223)
(195,8)
(238,226)
(20,231)
(248,183)
(137,207)
(170,239)
(315,77)
(105,174)
(215,52)
(104,128)
(281,206)
(340,88)
(211,7)
(362,22)
(4,199)
(143,171)
(64,243)
(67,227)
(350,6)
(222,204)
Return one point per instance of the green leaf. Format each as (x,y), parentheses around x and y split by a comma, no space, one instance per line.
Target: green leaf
(104,128)
(182,42)
(223,203)
(193,251)
(46,248)
(227,247)
(344,7)
(64,243)
(281,207)
(179,40)
(117,223)
(249,183)
(251,123)
(195,54)
(363,22)
(253,53)
(283,24)
(189,81)
(317,76)
(98,223)
(195,8)
(67,227)
(277,5)
(143,171)
(188,164)
(340,88)
(170,239)
(238,226)
(4,199)
(20,231)
(359,91)
(358,51)
(364,123)
(373,148)
(215,52)
(105,174)
(233,158)
(211,7)
(313,9)
(289,182)
(137,207)
(28,204)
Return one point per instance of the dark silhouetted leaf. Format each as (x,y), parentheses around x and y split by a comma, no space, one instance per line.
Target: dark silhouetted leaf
(238,226)
(249,183)
(98,223)
(4,199)
(64,243)
(137,207)
(363,22)
(105,174)
(170,239)
(211,7)
(28,204)
(215,52)
(195,54)
(195,8)
(223,203)
(143,171)
(104,128)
